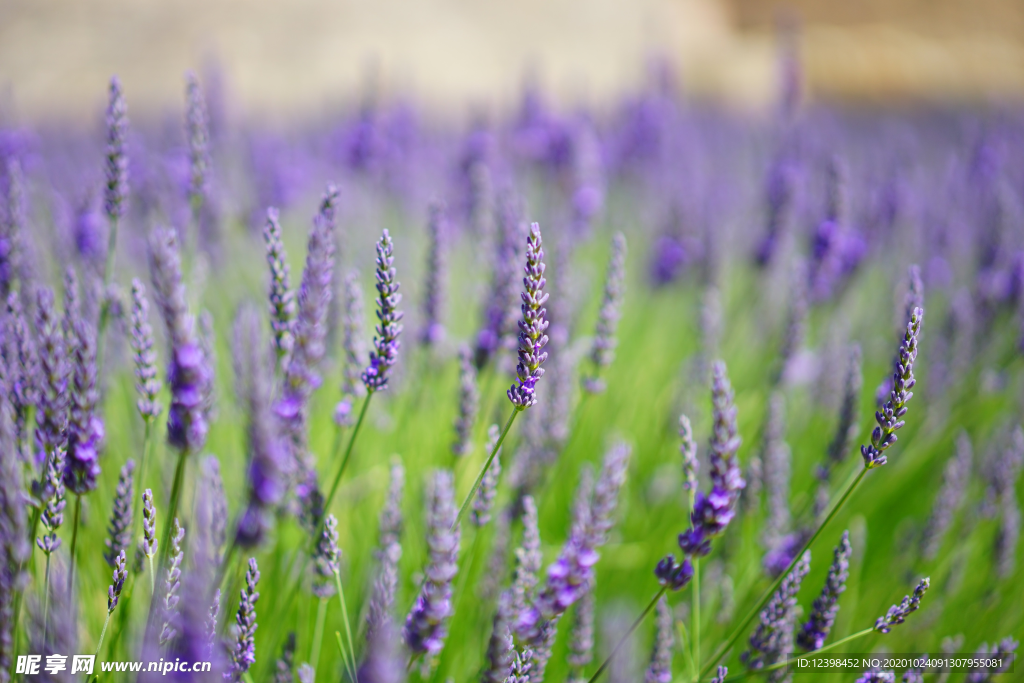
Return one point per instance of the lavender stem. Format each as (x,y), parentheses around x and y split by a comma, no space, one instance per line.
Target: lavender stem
(625,636)
(695,613)
(348,452)
(742,626)
(318,633)
(351,662)
(483,470)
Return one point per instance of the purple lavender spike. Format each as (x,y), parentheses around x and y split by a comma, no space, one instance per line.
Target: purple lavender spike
(688,451)
(267,470)
(768,644)
(499,655)
(433,332)
(889,419)
(172,582)
(529,558)
(85,428)
(1009,533)
(12,227)
(469,404)
(188,373)
(581,636)
(956,476)
(52,516)
(426,625)
(823,614)
(532,325)
(351,341)
(197,135)
(326,558)
(23,369)
(846,427)
(779,198)
(243,655)
(301,377)
(720,677)
(603,352)
(388,553)
(898,613)
(913,299)
(484,501)
(386,344)
(776,458)
(119,533)
(147,381)
(286,662)
(660,668)
(14,535)
(713,512)
(382,662)
(1003,651)
(148,543)
(120,574)
(501,297)
(282,299)
(115,192)
(52,412)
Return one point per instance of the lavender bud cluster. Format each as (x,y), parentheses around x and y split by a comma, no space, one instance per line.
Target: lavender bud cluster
(85,428)
(603,351)
(115,192)
(326,558)
(432,332)
(769,641)
(532,325)
(147,383)
(281,296)
(120,530)
(488,490)
(823,613)
(351,342)
(469,404)
(898,613)
(385,343)
(243,655)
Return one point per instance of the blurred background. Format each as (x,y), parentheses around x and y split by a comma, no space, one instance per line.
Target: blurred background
(277,58)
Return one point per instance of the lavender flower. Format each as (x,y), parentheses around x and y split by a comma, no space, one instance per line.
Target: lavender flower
(244,654)
(426,625)
(12,226)
(543,649)
(572,572)
(720,677)
(52,515)
(282,299)
(352,333)
(767,644)
(469,404)
(386,344)
(846,427)
(301,376)
(603,352)
(502,292)
(120,529)
(433,291)
(172,582)
(955,479)
(326,558)
(306,673)
(581,636)
(660,668)
(388,553)
(268,459)
(779,198)
(484,501)
(776,458)
(284,665)
(52,412)
(876,676)
(889,418)
(115,193)
(85,428)
(197,134)
(796,323)
(688,451)
(713,512)
(532,326)
(521,664)
(23,368)
(381,663)
(14,534)
(529,558)
(1009,534)
(913,299)
(499,654)
(188,373)
(120,574)
(826,606)
(1005,650)
(144,355)
(898,613)
(149,542)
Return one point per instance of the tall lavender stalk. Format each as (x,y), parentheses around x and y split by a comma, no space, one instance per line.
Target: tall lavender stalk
(147,382)
(301,378)
(172,582)
(823,614)
(913,299)
(12,227)
(115,191)
(955,479)
(385,343)
(19,348)
(282,299)
(389,552)
(660,668)
(243,655)
(603,351)
(499,303)
(846,427)
(198,137)
(351,342)
(773,637)
(85,428)
(119,532)
(432,332)
(897,614)
(469,404)
(14,534)
(426,626)
(688,453)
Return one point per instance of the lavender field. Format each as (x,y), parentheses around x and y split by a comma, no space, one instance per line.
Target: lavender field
(656,391)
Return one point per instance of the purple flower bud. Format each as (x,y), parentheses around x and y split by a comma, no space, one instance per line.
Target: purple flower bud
(432,332)
(499,654)
(148,543)
(581,635)
(688,451)
(52,515)
(673,574)
(197,135)
(660,668)
(115,192)
(85,428)
(282,299)
(326,558)
(603,352)
(388,553)
(876,676)
(501,298)
(12,227)
(285,664)
(528,555)
(52,411)
(720,677)
(469,404)
(426,626)
(772,639)
(23,369)
(823,614)
(119,533)
(532,325)
(172,582)
(147,383)
(243,655)
(385,343)
(120,574)
(898,613)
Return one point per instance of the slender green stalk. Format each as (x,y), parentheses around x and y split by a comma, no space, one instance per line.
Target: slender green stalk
(152,577)
(46,597)
(780,665)
(348,452)
(683,641)
(348,625)
(74,541)
(483,470)
(103,634)
(318,634)
(341,648)
(141,479)
(108,273)
(745,622)
(695,614)
(639,620)
(172,507)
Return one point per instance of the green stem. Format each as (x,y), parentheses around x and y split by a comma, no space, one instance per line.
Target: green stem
(103,634)
(152,577)
(627,634)
(318,635)
(742,626)
(141,485)
(348,452)
(348,626)
(788,662)
(695,614)
(172,507)
(74,541)
(46,597)
(108,274)
(483,470)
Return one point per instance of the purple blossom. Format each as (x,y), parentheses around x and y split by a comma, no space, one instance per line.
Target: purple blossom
(779,200)
(432,332)
(669,257)
(499,654)
(483,503)
(720,676)
(115,192)
(660,668)
(85,428)
(52,411)
(469,404)
(501,297)
(581,635)
(282,299)
(197,135)
(385,343)
(528,557)
(351,342)
(188,373)
(603,351)
(120,574)
(388,553)
(326,558)
(1005,651)
(426,626)
(382,662)
(23,369)
(119,532)
(772,639)
(889,418)
(12,226)
(172,582)
(147,383)
(243,655)
(876,676)
(52,515)
(688,451)
(532,325)
(148,543)
(898,613)
(823,614)
(955,478)
(712,512)
(14,535)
